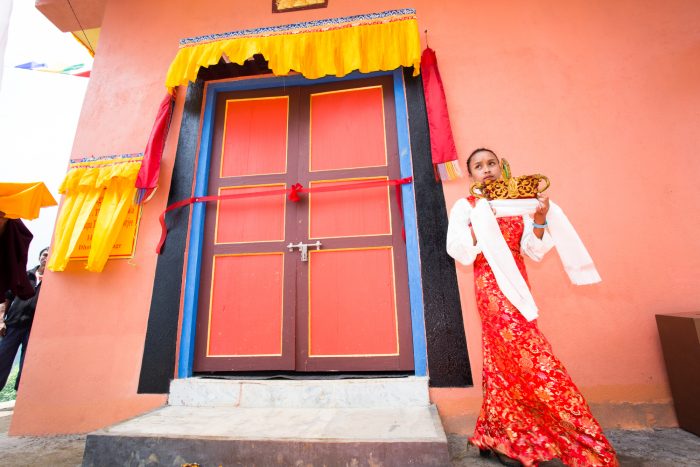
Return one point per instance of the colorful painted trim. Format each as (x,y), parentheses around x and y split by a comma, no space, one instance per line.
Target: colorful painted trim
(307,26)
(102,161)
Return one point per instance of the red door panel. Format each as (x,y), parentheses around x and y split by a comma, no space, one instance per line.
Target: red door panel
(255,136)
(246,312)
(354,213)
(347,129)
(246,220)
(352,305)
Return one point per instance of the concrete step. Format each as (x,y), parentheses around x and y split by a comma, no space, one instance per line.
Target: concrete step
(248,436)
(345,393)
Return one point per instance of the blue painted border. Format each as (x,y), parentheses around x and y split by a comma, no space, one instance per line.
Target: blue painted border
(415,290)
(194,254)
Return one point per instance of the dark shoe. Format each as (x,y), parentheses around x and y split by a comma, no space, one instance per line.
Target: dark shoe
(552,463)
(505,460)
(484,452)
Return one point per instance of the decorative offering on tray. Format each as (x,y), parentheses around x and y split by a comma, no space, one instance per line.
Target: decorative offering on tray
(525,186)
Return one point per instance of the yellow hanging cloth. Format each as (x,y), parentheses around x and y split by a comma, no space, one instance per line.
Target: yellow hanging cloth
(24,200)
(87,181)
(81,194)
(373,42)
(118,197)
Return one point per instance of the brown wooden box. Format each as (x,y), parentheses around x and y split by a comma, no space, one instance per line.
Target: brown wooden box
(680,341)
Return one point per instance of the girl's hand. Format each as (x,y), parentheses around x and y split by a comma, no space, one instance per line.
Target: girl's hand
(542,207)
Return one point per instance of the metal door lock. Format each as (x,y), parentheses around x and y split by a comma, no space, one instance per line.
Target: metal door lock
(304,248)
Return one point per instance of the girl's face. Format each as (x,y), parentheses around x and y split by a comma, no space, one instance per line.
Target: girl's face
(484,166)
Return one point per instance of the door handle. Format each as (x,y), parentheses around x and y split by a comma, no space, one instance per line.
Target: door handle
(304,248)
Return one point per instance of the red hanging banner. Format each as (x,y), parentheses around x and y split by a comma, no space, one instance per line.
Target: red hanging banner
(147,179)
(442,144)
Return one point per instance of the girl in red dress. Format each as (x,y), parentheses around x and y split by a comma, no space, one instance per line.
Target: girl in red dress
(532,411)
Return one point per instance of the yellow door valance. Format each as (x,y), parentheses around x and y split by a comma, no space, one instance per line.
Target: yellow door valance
(336,47)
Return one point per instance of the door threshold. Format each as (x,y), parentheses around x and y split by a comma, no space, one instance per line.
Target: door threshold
(290,375)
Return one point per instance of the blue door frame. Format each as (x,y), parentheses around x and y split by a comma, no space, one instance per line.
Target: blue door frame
(194,251)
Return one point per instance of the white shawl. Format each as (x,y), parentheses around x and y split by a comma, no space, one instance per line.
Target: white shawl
(572,252)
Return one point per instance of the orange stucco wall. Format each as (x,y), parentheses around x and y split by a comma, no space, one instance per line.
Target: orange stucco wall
(602,97)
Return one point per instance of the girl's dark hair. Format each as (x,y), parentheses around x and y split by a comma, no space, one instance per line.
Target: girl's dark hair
(42,251)
(474,152)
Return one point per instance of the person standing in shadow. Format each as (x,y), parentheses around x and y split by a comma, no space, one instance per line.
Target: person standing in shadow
(17,315)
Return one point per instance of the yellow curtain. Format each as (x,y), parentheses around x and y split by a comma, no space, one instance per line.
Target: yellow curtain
(111,179)
(118,197)
(373,42)
(24,200)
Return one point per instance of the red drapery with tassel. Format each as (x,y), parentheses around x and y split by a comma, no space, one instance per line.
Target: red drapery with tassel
(147,179)
(442,144)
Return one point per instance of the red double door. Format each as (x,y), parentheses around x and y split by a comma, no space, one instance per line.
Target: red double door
(343,306)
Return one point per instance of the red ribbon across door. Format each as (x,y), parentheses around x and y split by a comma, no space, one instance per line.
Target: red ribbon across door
(293,193)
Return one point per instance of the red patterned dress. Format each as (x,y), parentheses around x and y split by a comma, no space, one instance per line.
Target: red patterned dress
(532,411)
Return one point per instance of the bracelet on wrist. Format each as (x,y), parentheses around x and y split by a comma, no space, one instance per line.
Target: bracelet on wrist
(539,226)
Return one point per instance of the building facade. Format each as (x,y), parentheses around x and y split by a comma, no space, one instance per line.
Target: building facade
(601,98)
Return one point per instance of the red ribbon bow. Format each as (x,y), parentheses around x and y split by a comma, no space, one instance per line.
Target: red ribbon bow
(294,192)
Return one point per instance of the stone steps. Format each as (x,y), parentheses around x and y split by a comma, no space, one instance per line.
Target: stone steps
(348,393)
(387,422)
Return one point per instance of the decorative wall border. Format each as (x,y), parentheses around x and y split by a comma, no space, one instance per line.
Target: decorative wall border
(306,26)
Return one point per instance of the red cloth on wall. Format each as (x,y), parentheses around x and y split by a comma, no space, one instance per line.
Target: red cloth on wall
(147,179)
(442,144)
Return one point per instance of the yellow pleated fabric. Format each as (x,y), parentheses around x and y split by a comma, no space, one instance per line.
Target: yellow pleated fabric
(118,197)
(377,42)
(24,200)
(85,183)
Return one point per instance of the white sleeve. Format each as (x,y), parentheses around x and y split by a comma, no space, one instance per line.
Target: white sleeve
(532,246)
(460,244)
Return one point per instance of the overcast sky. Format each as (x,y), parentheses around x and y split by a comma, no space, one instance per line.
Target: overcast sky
(38,111)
